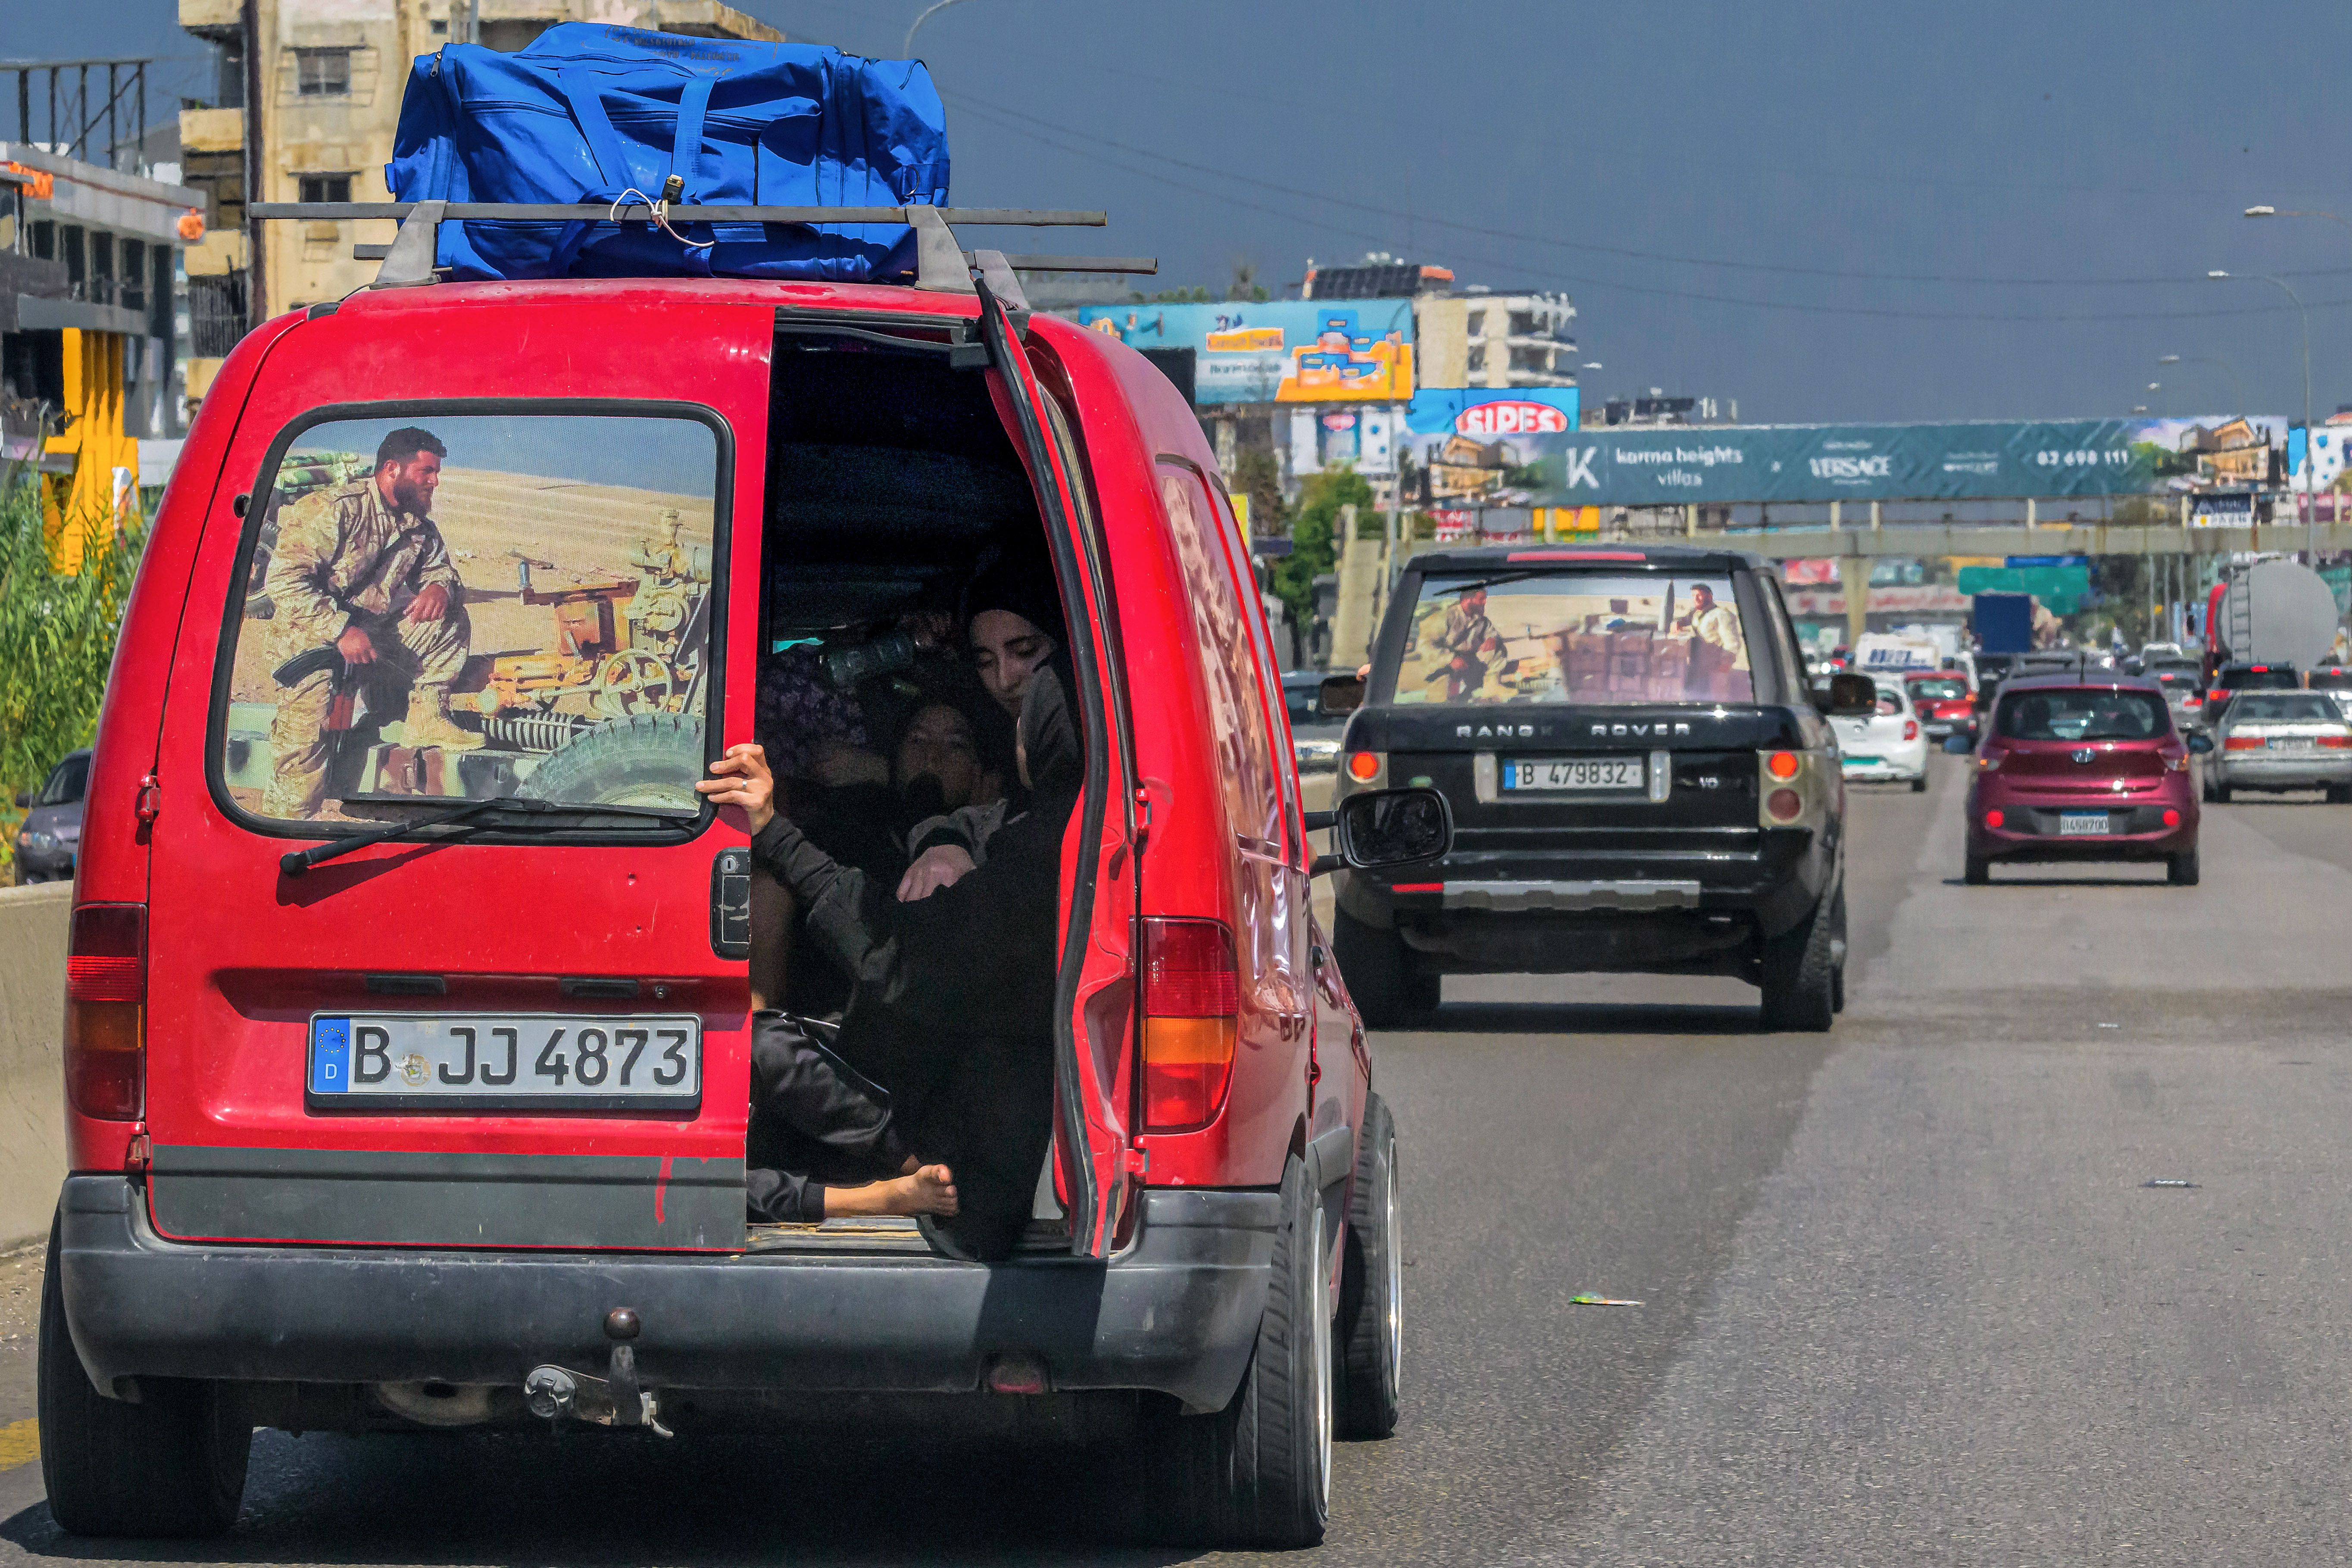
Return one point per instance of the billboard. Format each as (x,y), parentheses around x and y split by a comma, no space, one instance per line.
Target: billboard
(1282,351)
(1979,460)
(1486,413)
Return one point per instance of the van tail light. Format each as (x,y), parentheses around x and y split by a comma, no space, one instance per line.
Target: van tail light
(2244,743)
(2176,764)
(1192,1006)
(106,1010)
(1988,762)
(1910,729)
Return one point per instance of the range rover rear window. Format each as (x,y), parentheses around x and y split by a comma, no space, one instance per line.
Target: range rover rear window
(510,605)
(1585,637)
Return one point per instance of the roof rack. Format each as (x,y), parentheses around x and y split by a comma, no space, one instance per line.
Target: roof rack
(942,263)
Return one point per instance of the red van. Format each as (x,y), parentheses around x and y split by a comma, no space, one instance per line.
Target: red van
(667,517)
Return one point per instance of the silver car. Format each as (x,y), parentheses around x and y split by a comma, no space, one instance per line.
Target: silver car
(2281,739)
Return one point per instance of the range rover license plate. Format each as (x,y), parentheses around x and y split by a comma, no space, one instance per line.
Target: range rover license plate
(2078,823)
(1630,774)
(491,1061)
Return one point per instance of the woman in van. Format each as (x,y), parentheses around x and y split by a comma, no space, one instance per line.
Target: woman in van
(952,1010)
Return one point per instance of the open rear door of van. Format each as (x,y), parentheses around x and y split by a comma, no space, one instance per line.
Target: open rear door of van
(1095,999)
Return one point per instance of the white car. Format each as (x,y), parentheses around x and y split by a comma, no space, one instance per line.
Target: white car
(1890,746)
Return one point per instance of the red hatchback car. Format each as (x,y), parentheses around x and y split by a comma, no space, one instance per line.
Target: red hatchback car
(410,1034)
(2085,767)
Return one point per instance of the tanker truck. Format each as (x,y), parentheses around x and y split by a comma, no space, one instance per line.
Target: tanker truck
(2267,622)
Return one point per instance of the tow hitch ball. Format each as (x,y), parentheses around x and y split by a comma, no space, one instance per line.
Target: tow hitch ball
(617,1399)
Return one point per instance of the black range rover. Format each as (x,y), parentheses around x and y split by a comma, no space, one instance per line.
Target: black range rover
(1643,779)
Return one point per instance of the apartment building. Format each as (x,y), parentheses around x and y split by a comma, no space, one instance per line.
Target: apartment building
(1479,339)
(332,73)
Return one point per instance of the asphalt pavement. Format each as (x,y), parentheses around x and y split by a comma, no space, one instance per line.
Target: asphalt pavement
(1905,1293)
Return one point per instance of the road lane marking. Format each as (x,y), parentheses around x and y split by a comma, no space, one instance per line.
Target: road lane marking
(20,1444)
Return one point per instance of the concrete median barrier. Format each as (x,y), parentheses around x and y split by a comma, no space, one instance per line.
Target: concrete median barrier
(32,1041)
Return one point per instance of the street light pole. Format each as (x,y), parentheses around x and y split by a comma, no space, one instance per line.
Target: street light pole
(2311,512)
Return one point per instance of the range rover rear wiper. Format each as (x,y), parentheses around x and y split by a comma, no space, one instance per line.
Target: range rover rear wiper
(295,862)
(1496,581)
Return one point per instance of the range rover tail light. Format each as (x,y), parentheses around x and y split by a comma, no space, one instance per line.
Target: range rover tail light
(106,1011)
(1192,1008)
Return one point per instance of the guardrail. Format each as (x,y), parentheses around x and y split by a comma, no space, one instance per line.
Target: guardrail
(33,923)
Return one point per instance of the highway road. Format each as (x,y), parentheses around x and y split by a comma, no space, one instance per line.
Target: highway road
(1905,1293)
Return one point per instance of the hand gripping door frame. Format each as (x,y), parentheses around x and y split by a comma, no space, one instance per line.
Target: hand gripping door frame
(1092,1128)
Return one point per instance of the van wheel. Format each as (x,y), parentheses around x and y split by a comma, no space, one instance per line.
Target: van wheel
(649,759)
(1258,1472)
(1976,871)
(1384,974)
(2181,870)
(1371,1284)
(1799,973)
(172,1465)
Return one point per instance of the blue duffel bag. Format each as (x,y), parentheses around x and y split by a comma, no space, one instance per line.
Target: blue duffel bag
(590,113)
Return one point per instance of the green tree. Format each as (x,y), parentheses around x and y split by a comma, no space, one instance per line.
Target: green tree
(57,640)
(1311,531)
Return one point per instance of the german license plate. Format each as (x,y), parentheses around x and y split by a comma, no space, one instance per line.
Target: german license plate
(504,1061)
(2293,743)
(2081,824)
(1576,774)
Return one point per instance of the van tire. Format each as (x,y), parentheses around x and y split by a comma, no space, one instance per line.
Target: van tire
(647,759)
(1371,1284)
(171,1466)
(1257,1473)
(1384,976)
(1799,973)
(2181,870)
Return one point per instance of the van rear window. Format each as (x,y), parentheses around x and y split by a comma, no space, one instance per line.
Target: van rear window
(1575,637)
(476,606)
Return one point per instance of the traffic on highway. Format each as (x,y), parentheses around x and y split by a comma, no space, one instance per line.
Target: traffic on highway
(715,855)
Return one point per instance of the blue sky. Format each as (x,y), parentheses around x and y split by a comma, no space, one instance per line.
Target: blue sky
(1841,210)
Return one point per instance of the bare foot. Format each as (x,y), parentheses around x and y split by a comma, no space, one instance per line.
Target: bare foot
(930,1189)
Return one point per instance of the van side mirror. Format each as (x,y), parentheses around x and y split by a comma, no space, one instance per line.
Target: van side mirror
(1847,697)
(1385,828)
(1338,696)
(2199,743)
(1958,745)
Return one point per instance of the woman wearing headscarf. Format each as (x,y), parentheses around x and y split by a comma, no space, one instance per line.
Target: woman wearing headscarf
(952,1008)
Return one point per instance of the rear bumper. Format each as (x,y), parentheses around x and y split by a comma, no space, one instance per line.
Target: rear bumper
(1177,1311)
(2303,772)
(2031,829)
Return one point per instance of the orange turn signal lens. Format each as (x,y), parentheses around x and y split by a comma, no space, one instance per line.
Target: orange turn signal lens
(1783,764)
(1364,766)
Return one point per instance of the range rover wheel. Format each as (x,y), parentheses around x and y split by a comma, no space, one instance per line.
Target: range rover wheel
(172,1465)
(1258,1472)
(1371,1285)
(1384,974)
(1838,950)
(1976,872)
(2181,870)
(1800,974)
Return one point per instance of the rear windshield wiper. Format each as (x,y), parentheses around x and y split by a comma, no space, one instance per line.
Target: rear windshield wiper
(295,862)
(1496,581)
